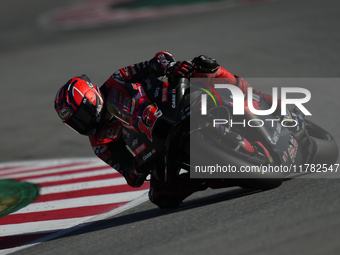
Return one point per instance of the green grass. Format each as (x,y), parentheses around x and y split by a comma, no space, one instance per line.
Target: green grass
(15,195)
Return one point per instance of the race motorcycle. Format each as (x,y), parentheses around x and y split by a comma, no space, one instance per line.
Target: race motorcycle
(175,137)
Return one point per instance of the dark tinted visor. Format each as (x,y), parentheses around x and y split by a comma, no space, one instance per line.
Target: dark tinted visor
(84,120)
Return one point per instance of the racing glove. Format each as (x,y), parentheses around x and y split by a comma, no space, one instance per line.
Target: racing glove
(181,69)
(205,64)
(160,63)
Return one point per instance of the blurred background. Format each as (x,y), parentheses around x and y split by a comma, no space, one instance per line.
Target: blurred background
(45,43)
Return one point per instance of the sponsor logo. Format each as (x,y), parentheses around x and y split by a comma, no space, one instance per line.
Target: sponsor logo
(148,155)
(149,117)
(64,113)
(133,105)
(276,135)
(156,93)
(141,90)
(134,142)
(118,77)
(148,84)
(165,93)
(140,149)
(173,98)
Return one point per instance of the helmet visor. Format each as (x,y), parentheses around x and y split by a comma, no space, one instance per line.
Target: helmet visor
(84,120)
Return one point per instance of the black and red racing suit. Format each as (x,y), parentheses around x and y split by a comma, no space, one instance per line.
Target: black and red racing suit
(124,97)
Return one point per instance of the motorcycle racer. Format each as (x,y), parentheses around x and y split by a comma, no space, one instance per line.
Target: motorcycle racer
(121,103)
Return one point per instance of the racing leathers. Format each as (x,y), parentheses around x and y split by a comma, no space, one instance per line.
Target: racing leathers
(127,107)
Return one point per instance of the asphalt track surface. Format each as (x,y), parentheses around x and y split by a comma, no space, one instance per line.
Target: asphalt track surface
(279,39)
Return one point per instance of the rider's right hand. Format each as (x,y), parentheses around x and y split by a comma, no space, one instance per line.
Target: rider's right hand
(181,69)
(205,64)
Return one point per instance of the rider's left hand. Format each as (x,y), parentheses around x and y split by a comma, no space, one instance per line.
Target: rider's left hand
(160,63)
